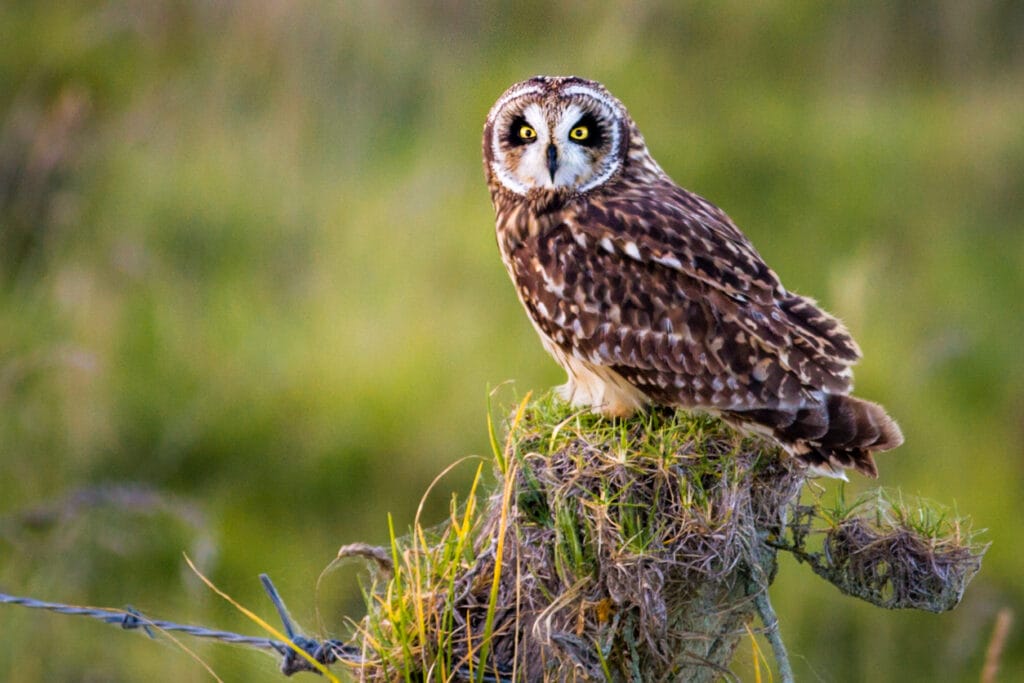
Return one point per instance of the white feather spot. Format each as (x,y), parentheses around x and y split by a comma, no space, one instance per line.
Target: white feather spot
(607,245)
(556,289)
(669,261)
(760,372)
(631,250)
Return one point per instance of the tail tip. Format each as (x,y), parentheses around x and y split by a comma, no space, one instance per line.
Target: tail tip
(892,435)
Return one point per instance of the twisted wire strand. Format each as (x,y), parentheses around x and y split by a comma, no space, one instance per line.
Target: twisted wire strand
(326,652)
(130,619)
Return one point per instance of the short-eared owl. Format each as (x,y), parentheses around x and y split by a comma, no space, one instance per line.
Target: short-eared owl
(646,293)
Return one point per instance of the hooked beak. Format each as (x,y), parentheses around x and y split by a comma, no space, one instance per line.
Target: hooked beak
(552,161)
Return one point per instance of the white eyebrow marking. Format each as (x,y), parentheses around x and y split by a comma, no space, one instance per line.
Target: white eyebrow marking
(511,96)
(587,90)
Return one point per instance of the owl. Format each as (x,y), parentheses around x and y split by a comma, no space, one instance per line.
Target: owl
(648,294)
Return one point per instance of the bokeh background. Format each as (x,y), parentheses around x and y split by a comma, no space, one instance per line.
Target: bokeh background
(251,304)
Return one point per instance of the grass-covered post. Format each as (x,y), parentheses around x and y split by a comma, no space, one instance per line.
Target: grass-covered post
(638,550)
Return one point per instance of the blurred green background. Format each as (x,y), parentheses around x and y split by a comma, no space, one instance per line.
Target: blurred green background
(250,300)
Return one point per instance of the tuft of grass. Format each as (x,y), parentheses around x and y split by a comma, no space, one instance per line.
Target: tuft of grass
(410,627)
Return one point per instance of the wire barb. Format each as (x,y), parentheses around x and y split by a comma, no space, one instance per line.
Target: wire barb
(282,611)
(326,652)
(133,619)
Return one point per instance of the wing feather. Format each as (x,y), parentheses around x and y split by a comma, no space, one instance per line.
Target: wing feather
(664,224)
(661,286)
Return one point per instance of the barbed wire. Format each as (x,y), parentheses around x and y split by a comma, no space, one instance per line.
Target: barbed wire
(325,652)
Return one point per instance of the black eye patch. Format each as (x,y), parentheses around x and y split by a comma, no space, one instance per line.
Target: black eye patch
(514,134)
(595,133)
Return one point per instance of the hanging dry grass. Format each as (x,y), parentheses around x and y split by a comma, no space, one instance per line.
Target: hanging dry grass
(889,552)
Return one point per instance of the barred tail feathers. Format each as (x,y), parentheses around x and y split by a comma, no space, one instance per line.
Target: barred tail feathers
(840,433)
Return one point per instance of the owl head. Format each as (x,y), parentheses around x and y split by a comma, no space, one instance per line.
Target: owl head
(555,134)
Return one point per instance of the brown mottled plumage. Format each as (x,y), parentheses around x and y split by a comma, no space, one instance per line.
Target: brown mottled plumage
(647,293)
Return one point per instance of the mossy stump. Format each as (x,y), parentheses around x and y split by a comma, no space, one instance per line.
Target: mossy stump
(636,550)
(627,566)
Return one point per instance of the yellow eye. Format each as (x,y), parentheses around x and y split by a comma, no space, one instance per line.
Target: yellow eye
(579,133)
(527,133)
